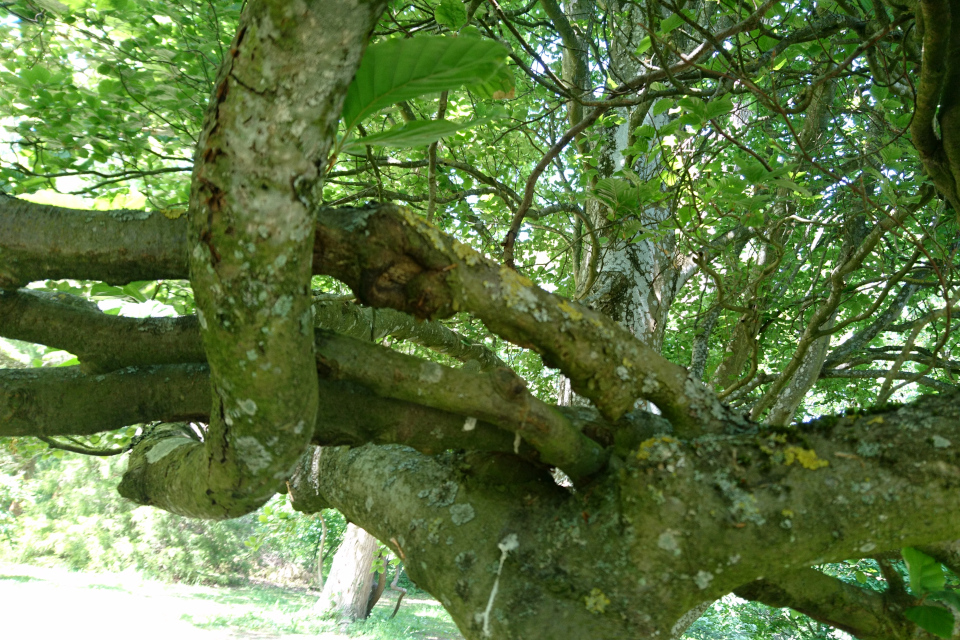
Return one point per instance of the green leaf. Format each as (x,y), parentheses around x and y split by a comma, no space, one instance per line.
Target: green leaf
(752,170)
(793,186)
(450,13)
(694,105)
(500,86)
(878,92)
(860,576)
(134,292)
(671,23)
(398,70)
(890,153)
(412,134)
(951,598)
(925,573)
(936,620)
(36,75)
(661,105)
(719,107)
(752,219)
(619,195)
(101,290)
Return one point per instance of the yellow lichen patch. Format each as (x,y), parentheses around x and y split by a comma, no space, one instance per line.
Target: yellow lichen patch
(806,457)
(437,239)
(877,420)
(173,214)
(517,291)
(513,279)
(570,311)
(467,254)
(787,513)
(597,601)
(646,447)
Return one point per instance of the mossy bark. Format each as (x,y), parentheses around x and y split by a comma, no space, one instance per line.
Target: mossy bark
(269,125)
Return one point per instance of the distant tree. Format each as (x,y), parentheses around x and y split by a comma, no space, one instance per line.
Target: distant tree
(350,583)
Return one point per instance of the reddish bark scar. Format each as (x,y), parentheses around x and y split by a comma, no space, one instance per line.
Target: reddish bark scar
(207,238)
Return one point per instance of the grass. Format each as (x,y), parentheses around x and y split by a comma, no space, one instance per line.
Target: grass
(51,603)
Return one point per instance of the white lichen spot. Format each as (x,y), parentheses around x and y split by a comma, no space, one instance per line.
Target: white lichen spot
(248,406)
(668,542)
(516,444)
(469,424)
(734,559)
(202,319)
(280,261)
(298,429)
(867,547)
(162,448)
(622,373)
(462,513)
(430,372)
(251,355)
(650,384)
(940,442)
(281,308)
(369,503)
(703,579)
(254,455)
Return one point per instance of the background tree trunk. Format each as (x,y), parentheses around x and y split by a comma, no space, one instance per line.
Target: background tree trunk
(377,591)
(321,549)
(347,589)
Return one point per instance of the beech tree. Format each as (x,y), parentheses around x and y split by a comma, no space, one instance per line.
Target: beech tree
(658,235)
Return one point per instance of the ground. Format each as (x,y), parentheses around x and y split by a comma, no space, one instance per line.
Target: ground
(42,603)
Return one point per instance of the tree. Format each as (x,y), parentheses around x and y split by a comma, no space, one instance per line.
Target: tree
(351,579)
(764,193)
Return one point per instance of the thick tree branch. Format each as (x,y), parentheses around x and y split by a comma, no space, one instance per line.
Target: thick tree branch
(941,39)
(391,258)
(365,323)
(65,401)
(864,613)
(250,238)
(756,493)
(39,241)
(500,398)
(101,342)
(105,343)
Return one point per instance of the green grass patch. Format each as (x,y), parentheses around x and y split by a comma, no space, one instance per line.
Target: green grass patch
(275,611)
(182,610)
(18,578)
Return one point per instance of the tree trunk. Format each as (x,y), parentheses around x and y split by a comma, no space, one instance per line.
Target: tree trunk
(347,589)
(395,586)
(377,591)
(321,549)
